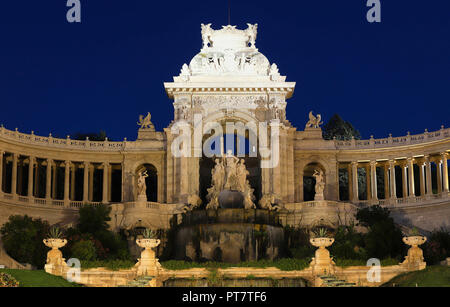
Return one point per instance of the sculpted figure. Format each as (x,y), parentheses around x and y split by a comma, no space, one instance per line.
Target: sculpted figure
(194,201)
(252,32)
(249,197)
(314,121)
(142,187)
(320,184)
(231,181)
(242,173)
(218,175)
(145,122)
(268,202)
(206,33)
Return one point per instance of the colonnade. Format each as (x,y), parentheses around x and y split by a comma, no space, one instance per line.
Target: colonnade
(407,177)
(70,187)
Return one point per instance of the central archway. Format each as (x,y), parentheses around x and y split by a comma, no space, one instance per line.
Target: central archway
(240,146)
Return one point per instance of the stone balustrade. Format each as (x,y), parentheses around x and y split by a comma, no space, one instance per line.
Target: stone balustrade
(390,141)
(67,143)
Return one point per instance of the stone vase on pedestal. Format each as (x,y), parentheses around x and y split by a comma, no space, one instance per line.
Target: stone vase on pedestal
(55,262)
(148,264)
(322,262)
(414,260)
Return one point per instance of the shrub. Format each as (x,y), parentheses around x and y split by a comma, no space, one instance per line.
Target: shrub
(109,264)
(8,281)
(22,239)
(84,250)
(437,247)
(384,238)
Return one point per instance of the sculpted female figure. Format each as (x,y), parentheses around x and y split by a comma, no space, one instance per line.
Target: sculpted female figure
(142,187)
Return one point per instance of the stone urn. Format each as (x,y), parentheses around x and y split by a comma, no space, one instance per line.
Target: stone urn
(414,260)
(148,264)
(322,262)
(55,262)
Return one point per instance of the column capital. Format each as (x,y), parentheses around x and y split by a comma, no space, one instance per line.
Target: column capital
(392,162)
(373,163)
(444,155)
(410,160)
(354,163)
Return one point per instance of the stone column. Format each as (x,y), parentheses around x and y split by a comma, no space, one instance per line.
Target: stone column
(444,156)
(72,181)
(439,176)
(412,192)
(91,182)
(105,183)
(350,185)
(109,182)
(428,173)
(368,182)
(404,181)
(422,179)
(48,180)
(86,182)
(66,182)
(36,179)
(386,180)
(373,179)
(355,198)
(1,173)
(14,177)
(19,187)
(393,191)
(55,179)
(30,177)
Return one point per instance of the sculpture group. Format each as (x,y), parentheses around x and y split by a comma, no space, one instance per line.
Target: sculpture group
(230,173)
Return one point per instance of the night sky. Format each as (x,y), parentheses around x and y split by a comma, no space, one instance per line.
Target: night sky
(390,77)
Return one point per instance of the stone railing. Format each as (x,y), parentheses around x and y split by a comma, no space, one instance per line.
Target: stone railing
(405,201)
(55,203)
(68,143)
(395,141)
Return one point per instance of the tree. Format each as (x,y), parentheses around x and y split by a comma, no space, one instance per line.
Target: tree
(99,136)
(384,238)
(22,239)
(94,219)
(342,130)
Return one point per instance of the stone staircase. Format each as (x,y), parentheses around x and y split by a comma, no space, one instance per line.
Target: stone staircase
(139,282)
(333,281)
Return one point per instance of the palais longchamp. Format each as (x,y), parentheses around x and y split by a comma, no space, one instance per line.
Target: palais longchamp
(229,166)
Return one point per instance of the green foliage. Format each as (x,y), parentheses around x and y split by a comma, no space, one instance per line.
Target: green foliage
(93,226)
(38,278)
(371,215)
(99,136)
(94,219)
(7,281)
(284,264)
(22,239)
(384,238)
(148,234)
(84,250)
(431,276)
(321,233)
(437,247)
(342,130)
(113,265)
(55,233)
(348,244)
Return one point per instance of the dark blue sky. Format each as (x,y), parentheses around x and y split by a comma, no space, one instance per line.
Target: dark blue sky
(101,74)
